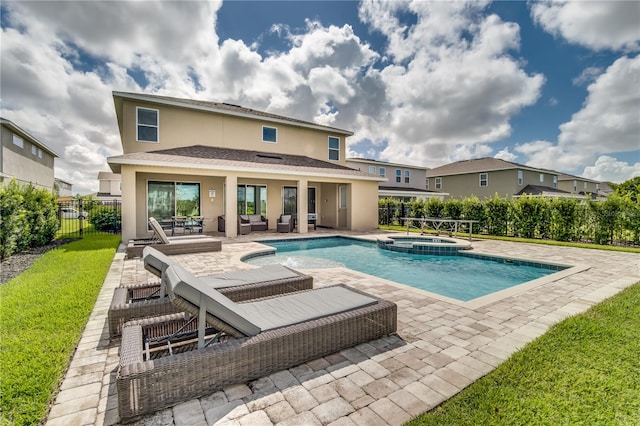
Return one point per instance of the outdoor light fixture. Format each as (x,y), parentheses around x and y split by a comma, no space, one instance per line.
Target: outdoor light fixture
(212,194)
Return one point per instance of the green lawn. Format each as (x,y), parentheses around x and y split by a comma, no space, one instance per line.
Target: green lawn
(43,312)
(583,371)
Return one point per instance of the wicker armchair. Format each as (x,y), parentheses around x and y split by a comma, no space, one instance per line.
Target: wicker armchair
(285,223)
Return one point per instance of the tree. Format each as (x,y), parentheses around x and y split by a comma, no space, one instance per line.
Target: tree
(629,188)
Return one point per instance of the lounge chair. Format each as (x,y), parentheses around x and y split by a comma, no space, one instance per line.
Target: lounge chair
(244,341)
(148,300)
(172,245)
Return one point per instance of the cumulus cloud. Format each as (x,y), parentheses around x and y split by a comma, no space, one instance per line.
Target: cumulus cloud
(609,169)
(506,155)
(596,25)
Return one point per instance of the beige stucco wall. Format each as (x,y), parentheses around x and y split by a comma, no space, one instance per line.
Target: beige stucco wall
(567,185)
(23,165)
(417,176)
(501,182)
(181,127)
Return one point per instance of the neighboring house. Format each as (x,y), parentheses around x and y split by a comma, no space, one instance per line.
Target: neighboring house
(403,182)
(110,188)
(65,189)
(485,177)
(183,156)
(579,185)
(25,158)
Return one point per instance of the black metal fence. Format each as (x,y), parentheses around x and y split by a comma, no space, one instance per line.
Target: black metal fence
(82,217)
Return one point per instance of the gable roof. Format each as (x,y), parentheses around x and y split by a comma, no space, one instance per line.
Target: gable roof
(23,133)
(546,191)
(384,163)
(566,176)
(109,176)
(211,157)
(478,165)
(219,108)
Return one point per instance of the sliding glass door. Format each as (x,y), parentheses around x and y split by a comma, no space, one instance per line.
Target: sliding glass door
(168,199)
(252,199)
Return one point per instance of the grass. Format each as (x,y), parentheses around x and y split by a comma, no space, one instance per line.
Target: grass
(584,370)
(521,240)
(43,312)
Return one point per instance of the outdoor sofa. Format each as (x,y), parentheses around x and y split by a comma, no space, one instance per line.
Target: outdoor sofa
(148,300)
(236,342)
(172,245)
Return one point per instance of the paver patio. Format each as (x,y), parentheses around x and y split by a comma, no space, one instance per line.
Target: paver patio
(440,348)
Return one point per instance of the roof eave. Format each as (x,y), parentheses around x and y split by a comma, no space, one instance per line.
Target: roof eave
(10,124)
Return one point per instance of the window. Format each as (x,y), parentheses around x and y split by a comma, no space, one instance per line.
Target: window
(372,170)
(167,199)
(597,187)
(383,172)
(438,183)
(39,153)
(34,150)
(147,125)
(18,141)
(585,185)
(541,177)
(289,200)
(406,176)
(427,183)
(555,181)
(520,177)
(269,134)
(334,148)
(398,175)
(252,199)
(342,189)
(484,179)
(575,186)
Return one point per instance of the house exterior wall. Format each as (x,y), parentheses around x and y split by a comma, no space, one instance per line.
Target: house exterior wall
(110,186)
(580,186)
(417,176)
(180,127)
(501,182)
(22,164)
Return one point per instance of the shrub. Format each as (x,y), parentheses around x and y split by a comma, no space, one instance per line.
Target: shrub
(105,219)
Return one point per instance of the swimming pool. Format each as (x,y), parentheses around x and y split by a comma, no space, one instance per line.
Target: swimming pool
(464,277)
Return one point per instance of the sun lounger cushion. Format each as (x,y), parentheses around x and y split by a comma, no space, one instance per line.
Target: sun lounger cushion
(296,308)
(157,229)
(155,261)
(181,283)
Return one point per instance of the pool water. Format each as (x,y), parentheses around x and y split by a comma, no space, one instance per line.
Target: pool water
(460,277)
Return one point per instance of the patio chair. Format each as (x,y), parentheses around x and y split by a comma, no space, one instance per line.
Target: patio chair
(233,343)
(285,223)
(244,225)
(149,300)
(172,245)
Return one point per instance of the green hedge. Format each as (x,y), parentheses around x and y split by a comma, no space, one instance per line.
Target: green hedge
(615,220)
(29,218)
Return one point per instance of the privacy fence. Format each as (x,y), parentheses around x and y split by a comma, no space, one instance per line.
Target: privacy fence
(614,221)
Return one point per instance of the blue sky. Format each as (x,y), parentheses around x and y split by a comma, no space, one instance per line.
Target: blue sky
(547,84)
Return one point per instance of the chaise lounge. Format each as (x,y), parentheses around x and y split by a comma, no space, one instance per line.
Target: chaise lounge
(236,342)
(148,300)
(172,245)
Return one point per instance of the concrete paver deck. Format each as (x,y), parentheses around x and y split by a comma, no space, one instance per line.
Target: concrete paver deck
(440,348)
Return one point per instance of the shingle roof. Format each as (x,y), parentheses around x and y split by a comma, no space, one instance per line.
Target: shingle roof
(541,190)
(108,176)
(226,108)
(478,165)
(209,157)
(403,189)
(566,176)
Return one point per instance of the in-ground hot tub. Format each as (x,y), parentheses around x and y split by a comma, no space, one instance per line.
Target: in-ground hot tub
(423,245)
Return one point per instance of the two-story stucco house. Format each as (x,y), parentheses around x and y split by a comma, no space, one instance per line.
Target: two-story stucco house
(25,158)
(109,187)
(485,177)
(403,182)
(579,185)
(212,159)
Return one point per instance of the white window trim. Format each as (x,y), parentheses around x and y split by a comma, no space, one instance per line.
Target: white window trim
(34,150)
(269,127)
(18,141)
(333,149)
(427,181)
(148,125)
(39,153)
(520,177)
(407,176)
(374,170)
(541,177)
(486,180)
(438,182)
(383,172)
(398,175)
(555,181)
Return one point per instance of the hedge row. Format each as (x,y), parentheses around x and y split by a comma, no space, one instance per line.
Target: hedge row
(615,220)
(29,218)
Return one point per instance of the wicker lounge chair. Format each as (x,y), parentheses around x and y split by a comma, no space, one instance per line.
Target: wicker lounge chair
(244,341)
(172,245)
(149,300)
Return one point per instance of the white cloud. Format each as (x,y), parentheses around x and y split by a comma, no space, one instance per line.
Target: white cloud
(596,25)
(506,155)
(609,169)
(588,75)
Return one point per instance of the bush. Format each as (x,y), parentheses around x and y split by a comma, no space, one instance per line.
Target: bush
(106,219)
(28,218)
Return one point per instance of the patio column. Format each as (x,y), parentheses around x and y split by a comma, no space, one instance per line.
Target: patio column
(231,206)
(128,197)
(303,206)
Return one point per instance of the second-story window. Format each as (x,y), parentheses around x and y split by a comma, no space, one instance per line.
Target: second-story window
(269,134)
(438,183)
(147,125)
(585,185)
(398,175)
(39,153)
(484,179)
(575,186)
(555,181)
(427,187)
(34,150)
(383,172)
(18,141)
(406,176)
(520,177)
(372,170)
(334,148)
(541,177)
